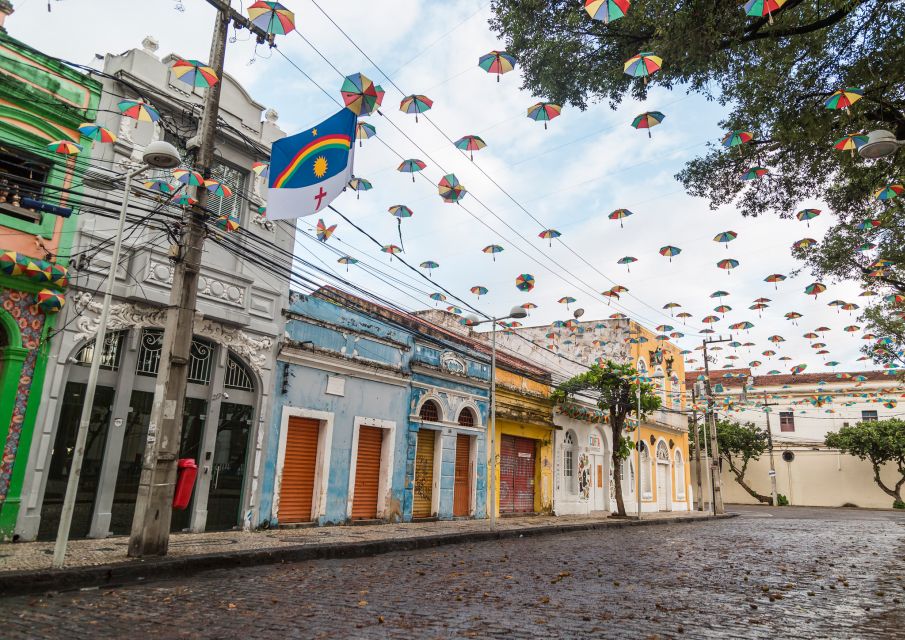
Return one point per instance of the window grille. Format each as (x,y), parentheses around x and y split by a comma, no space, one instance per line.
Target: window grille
(200,362)
(869,416)
(109,357)
(22,175)
(466,418)
(237,376)
(430,411)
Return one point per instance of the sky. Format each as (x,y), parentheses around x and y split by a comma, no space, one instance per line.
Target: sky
(569,176)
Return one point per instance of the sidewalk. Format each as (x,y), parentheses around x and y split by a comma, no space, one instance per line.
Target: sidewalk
(25,566)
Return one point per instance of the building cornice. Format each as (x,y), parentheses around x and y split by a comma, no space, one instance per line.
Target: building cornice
(354,367)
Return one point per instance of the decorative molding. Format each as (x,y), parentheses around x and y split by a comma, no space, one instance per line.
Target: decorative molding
(128,315)
(454,364)
(208,287)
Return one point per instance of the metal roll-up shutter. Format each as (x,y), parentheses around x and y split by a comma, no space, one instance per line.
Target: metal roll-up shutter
(367,473)
(508,456)
(299,466)
(462,484)
(424,474)
(524,476)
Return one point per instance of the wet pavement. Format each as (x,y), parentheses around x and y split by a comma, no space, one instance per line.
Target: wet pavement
(805,573)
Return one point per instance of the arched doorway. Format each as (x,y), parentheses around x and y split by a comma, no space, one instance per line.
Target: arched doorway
(664,487)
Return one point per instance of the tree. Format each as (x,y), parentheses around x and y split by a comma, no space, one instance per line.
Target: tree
(617,387)
(740,444)
(880,442)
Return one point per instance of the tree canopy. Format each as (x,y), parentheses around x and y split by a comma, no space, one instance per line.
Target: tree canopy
(879,442)
(739,444)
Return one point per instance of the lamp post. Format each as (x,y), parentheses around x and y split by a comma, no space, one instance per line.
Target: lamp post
(880,143)
(473,321)
(158,155)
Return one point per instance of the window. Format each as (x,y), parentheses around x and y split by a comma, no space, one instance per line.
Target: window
(786,421)
(109,358)
(235,180)
(237,375)
(568,458)
(680,476)
(200,362)
(430,411)
(868,416)
(22,175)
(466,418)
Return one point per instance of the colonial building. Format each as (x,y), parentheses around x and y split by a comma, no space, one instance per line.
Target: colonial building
(41,101)
(236,330)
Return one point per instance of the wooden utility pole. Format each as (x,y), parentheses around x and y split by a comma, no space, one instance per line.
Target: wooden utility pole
(718,507)
(697,449)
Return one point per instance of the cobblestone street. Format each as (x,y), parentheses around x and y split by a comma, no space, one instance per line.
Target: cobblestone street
(807,573)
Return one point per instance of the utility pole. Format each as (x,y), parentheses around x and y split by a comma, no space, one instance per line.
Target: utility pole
(770,444)
(153,506)
(697,448)
(718,507)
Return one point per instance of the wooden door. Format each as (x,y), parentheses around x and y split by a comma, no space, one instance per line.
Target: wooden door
(299,466)
(367,473)
(462,485)
(422,503)
(524,476)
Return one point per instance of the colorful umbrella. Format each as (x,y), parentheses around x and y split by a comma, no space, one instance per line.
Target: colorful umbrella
(272,17)
(619,214)
(792,315)
(739,326)
(471,144)
(160,186)
(844,98)
(188,177)
(195,73)
(775,278)
(415,104)
(642,65)
(65,147)
(761,8)
(805,215)
(363,131)
(868,225)
(347,260)
(671,306)
(50,301)
(736,138)
(798,368)
(430,265)
(610,294)
(528,306)
(851,142)
(889,192)
(450,189)
(607,10)
(229,223)
(804,243)
(648,120)
(544,112)
(479,291)
(776,339)
(359,185)
(183,200)
(261,169)
(627,260)
(754,173)
(725,237)
(138,110)
(815,289)
(400,211)
(723,309)
(438,297)
(710,319)
(218,188)
(728,264)
(669,251)
(719,294)
(549,234)
(566,300)
(323,231)
(96,132)
(412,166)
(492,249)
(498,62)
(359,94)
(524,282)
(852,328)
(391,249)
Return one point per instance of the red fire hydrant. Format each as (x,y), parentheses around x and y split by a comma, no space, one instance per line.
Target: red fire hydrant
(186,471)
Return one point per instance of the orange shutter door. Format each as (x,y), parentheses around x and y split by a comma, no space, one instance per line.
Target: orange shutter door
(367,473)
(424,474)
(462,486)
(297,485)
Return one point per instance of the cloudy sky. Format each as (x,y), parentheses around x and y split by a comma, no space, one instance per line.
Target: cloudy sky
(569,177)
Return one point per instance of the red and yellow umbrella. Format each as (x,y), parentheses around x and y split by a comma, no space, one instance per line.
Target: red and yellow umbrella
(195,73)
(65,147)
(272,17)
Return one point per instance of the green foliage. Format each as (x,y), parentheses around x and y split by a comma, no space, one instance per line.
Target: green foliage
(898,504)
(782,500)
(879,442)
(739,444)
(625,448)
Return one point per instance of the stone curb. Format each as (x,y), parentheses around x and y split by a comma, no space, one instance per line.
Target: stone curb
(15,583)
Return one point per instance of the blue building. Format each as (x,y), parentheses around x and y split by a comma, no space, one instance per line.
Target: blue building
(378,415)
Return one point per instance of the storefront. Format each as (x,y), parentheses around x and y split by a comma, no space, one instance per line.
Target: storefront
(583,472)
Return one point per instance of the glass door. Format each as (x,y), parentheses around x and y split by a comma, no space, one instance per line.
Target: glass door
(194,414)
(228,468)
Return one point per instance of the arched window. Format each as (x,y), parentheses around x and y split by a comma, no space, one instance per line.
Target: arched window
(237,375)
(568,461)
(466,418)
(110,354)
(644,463)
(680,476)
(430,411)
(662,452)
(628,477)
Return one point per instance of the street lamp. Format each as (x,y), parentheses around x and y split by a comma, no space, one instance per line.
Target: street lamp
(157,155)
(880,143)
(473,321)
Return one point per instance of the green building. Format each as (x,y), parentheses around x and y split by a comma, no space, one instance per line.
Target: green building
(41,102)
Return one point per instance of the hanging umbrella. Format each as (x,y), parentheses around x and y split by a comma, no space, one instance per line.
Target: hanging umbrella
(663,328)
(719,294)
(138,110)
(415,104)
(160,186)
(852,328)
(528,306)
(412,166)
(363,131)
(642,65)
(492,249)
(844,98)
(627,260)
(754,173)
(359,94)
(450,189)
(755,363)
(471,144)
(430,265)
(195,73)
(792,315)
(227,223)
(758,306)
(217,188)
(96,133)
(359,185)
(438,297)
(671,306)
(524,282)
(775,278)
(400,211)
(549,234)
(798,368)
(710,319)
(804,243)
(669,251)
(620,214)
(391,249)
(776,339)
(805,215)
(894,298)
(65,147)
(183,200)
(498,62)
(380,94)
(762,300)
(544,112)
(648,120)
(889,192)
(728,264)
(736,138)
(769,353)
(723,309)
(323,231)
(479,291)
(851,142)
(455,310)
(272,17)
(566,300)
(761,8)
(261,169)
(725,237)
(741,326)
(811,335)
(607,10)
(188,177)
(610,294)
(815,289)
(849,306)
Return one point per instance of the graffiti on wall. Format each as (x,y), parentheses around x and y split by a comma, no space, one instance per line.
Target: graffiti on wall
(584,477)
